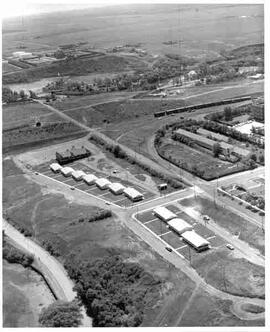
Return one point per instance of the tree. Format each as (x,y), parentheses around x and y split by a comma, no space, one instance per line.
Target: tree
(61,314)
(228,114)
(22,95)
(216,150)
(32,94)
(261,158)
(253,157)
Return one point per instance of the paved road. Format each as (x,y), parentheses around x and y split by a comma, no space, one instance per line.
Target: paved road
(62,284)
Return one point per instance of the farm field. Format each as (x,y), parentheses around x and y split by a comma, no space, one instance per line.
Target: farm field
(236,225)
(209,263)
(210,166)
(24,296)
(155,24)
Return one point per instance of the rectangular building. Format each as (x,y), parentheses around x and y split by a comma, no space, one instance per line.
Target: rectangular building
(133,194)
(164,213)
(116,188)
(67,171)
(197,242)
(102,183)
(89,178)
(72,154)
(179,225)
(56,168)
(78,175)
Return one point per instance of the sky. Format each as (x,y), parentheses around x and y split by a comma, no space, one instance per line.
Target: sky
(13,8)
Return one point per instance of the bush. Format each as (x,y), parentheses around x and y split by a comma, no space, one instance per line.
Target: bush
(14,255)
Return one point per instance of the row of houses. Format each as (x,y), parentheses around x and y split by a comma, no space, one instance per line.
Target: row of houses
(102,183)
(209,143)
(181,227)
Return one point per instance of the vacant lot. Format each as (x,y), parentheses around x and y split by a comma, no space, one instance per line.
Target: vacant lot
(24,296)
(235,224)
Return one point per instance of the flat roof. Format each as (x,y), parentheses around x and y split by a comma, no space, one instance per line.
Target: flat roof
(179,225)
(89,177)
(164,213)
(196,240)
(116,186)
(132,192)
(67,169)
(55,166)
(102,182)
(215,135)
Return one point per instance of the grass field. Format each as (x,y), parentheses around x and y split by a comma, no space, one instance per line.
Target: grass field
(24,296)
(235,224)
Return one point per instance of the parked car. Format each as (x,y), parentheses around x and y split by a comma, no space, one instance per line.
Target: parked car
(229,246)
(72,188)
(207,218)
(169,249)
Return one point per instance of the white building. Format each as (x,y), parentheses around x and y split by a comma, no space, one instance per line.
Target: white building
(89,178)
(22,55)
(102,183)
(179,225)
(198,242)
(133,194)
(67,171)
(164,214)
(55,167)
(78,175)
(116,188)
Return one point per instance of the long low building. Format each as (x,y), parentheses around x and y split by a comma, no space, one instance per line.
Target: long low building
(197,242)
(102,183)
(116,188)
(179,225)
(67,171)
(89,178)
(164,214)
(133,194)
(78,175)
(209,143)
(55,167)
(72,154)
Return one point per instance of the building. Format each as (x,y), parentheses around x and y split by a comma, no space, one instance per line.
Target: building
(56,168)
(133,194)
(164,214)
(78,175)
(179,225)
(22,55)
(209,143)
(67,171)
(211,134)
(102,183)
(116,188)
(197,242)
(249,69)
(89,178)
(72,154)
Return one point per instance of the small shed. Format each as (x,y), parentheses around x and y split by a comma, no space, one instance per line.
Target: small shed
(102,183)
(56,168)
(89,178)
(116,188)
(164,214)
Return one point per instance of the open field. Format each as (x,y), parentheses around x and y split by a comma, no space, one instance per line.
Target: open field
(210,263)
(24,296)
(235,224)
(21,114)
(154,24)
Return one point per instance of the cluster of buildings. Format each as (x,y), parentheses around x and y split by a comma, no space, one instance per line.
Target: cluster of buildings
(102,183)
(181,227)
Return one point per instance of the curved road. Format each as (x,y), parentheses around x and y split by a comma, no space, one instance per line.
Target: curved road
(62,284)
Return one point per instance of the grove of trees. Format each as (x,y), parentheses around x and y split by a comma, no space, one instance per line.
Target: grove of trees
(114,292)
(61,314)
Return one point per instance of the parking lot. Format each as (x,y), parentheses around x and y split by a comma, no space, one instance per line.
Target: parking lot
(162,230)
(93,190)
